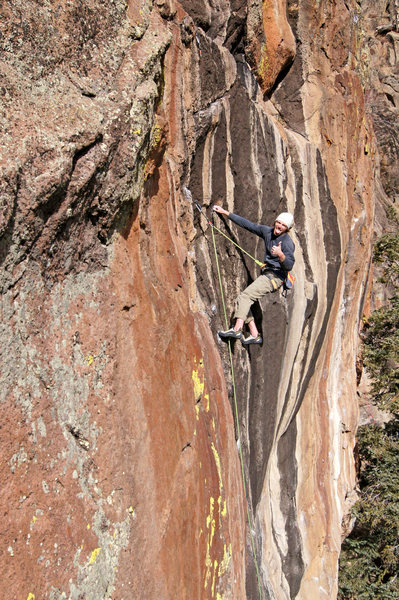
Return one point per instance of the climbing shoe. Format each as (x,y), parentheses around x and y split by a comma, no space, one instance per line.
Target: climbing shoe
(230,333)
(252,340)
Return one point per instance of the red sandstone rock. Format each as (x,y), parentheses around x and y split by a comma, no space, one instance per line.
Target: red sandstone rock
(120,475)
(270,45)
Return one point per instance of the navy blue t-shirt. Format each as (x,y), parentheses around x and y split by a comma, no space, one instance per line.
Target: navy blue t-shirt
(266,233)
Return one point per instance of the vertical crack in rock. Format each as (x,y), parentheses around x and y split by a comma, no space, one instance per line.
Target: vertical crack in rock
(292,560)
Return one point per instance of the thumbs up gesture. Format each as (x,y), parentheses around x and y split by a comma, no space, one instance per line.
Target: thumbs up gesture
(276,250)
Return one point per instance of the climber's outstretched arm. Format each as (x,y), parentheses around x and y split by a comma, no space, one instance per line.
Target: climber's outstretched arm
(240,221)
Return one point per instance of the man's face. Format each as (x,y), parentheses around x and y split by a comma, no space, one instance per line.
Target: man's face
(279,228)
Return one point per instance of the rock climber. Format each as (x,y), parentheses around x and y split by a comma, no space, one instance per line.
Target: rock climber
(279,259)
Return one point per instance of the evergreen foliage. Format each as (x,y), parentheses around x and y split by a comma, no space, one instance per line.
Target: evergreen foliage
(369,562)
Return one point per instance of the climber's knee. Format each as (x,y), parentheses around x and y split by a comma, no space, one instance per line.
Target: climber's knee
(244,303)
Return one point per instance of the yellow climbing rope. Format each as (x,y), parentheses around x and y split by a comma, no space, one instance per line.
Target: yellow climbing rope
(258,262)
(236,414)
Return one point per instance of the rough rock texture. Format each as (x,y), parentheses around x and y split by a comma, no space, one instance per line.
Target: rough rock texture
(270,46)
(120,475)
(378,35)
(379,39)
(114,413)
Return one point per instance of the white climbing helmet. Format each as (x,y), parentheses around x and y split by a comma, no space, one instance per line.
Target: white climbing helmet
(287,219)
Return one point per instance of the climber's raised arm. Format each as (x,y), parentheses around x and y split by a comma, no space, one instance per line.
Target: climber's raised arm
(240,221)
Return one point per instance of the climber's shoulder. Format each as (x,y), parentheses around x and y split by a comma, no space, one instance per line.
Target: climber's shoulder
(288,241)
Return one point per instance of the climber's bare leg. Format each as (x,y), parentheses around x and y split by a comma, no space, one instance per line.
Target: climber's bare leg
(239,324)
(253,329)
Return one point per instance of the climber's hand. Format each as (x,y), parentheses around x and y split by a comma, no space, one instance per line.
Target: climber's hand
(276,250)
(220,210)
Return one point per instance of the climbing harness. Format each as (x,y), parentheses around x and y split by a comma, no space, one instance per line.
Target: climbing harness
(275,281)
(249,519)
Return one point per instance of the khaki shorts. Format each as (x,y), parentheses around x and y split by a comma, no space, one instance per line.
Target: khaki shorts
(258,288)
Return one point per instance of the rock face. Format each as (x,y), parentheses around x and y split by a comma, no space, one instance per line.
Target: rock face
(379,36)
(115,415)
(120,475)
